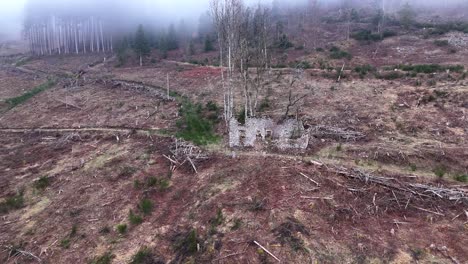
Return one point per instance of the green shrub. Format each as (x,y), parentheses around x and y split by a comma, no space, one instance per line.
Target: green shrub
(284,42)
(441,29)
(29,94)
(336,53)
(105,230)
(134,219)
(212,106)
(151,181)
(65,243)
(218,219)
(22,61)
(429,68)
(127,171)
(237,224)
(194,126)
(441,43)
(440,172)
(363,70)
(137,184)
(366,35)
(389,76)
(164,184)
(12,203)
(302,65)
(42,183)
(417,253)
(104,259)
(241,116)
(73,231)
(143,256)
(339,147)
(208,44)
(388,34)
(121,228)
(265,104)
(160,183)
(146,206)
(461,177)
(431,82)
(188,243)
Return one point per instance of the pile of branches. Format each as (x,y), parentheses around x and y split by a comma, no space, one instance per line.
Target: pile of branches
(139,86)
(421,190)
(336,133)
(183,152)
(16,253)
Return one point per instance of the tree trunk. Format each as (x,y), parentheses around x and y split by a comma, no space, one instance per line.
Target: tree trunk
(76,37)
(168,96)
(102,37)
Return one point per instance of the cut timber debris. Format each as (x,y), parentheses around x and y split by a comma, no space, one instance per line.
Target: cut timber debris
(18,253)
(139,86)
(413,188)
(336,133)
(316,163)
(317,198)
(266,250)
(183,152)
(310,179)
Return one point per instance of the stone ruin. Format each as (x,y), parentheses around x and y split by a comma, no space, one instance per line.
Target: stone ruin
(259,132)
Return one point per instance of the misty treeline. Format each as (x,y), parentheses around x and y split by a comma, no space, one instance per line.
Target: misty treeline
(57,36)
(55,27)
(70,26)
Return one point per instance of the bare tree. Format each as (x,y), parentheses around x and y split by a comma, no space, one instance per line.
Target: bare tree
(56,35)
(293,100)
(243,43)
(227,16)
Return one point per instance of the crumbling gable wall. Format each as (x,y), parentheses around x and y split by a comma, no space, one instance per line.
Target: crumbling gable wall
(289,134)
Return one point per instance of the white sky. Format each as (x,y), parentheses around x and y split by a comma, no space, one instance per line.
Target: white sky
(11,17)
(11,11)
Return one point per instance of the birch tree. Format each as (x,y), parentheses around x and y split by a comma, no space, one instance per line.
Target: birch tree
(51,34)
(243,43)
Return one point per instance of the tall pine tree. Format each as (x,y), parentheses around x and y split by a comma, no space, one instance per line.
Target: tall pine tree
(208,44)
(171,40)
(141,46)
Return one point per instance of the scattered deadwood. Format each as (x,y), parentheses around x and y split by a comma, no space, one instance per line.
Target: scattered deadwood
(67,103)
(421,190)
(266,250)
(341,72)
(428,211)
(14,252)
(292,101)
(183,152)
(336,133)
(310,179)
(139,86)
(316,163)
(317,198)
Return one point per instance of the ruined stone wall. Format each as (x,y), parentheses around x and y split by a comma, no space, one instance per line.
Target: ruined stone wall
(289,134)
(234,133)
(254,127)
